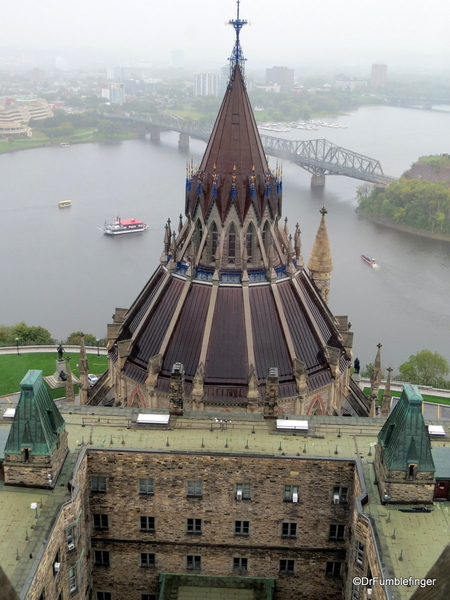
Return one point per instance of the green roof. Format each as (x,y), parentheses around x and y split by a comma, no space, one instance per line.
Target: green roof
(441,459)
(37,421)
(404,436)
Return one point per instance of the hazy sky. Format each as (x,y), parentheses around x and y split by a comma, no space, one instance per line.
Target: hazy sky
(286,32)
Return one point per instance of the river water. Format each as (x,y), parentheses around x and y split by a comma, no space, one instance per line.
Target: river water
(59,271)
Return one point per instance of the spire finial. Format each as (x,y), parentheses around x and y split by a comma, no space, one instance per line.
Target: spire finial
(323,211)
(237,57)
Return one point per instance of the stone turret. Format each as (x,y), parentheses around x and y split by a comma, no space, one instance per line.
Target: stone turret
(386,402)
(83,369)
(375,381)
(403,462)
(37,442)
(320,263)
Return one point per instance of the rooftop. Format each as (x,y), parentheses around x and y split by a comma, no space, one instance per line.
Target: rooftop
(419,538)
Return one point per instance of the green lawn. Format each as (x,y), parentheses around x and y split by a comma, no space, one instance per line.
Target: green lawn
(426,397)
(13,368)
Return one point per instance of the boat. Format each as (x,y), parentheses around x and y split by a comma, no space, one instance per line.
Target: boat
(64,203)
(122,226)
(64,145)
(370,261)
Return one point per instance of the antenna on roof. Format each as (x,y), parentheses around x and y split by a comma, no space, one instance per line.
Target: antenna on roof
(237,56)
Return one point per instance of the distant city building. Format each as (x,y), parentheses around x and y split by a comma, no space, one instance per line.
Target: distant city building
(206,84)
(281,76)
(349,83)
(114,92)
(37,76)
(118,73)
(24,109)
(378,77)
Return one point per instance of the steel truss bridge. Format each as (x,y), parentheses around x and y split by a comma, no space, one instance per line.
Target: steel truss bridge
(319,157)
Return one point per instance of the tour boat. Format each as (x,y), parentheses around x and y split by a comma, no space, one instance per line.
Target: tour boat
(65,203)
(370,261)
(64,145)
(121,226)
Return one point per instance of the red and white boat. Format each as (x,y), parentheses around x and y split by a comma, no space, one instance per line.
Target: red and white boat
(370,261)
(122,226)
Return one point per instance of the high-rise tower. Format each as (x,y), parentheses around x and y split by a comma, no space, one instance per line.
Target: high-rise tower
(230,314)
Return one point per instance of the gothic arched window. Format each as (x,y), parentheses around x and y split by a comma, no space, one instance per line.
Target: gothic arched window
(232,244)
(250,241)
(214,241)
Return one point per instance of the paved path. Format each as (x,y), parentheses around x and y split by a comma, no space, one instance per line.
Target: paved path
(51,348)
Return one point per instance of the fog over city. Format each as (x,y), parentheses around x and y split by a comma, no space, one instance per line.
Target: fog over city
(407,34)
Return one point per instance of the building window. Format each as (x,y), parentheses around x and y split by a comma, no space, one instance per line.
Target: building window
(249,241)
(194,563)
(146,486)
(355,592)
(72,579)
(147,560)
(287,566)
(56,565)
(214,241)
(291,493)
(242,491)
(194,488)
(194,526)
(100,521)
(232,244)
(337,533)
(240,565)
(98,484)
(70,537)
(241,527)
(340,495)
(101,558)
(103,595)
(148,524)
(289,530)
(333,569)
(42,596)
(148,596)
(360,554)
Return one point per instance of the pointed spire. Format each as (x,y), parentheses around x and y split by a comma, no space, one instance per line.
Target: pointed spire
(290,268)
(70,394)
(180,224)
(320,263)
(83,369)
(386,402)
(286,229)
(375,378)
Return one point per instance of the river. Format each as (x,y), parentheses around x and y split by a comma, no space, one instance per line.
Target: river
(59,271)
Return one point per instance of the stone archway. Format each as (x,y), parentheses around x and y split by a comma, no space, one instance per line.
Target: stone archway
(136,399)
(317,406)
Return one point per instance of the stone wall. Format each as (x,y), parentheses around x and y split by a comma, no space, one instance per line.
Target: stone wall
(49,581)
(35,471)
(218,510)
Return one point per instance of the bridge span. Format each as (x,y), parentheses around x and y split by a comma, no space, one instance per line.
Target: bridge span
(318,157)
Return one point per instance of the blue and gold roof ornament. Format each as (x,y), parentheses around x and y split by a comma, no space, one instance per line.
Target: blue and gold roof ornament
(237,56)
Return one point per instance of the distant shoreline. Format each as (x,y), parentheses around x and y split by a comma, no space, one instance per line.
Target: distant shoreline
(406,228)
(71,142)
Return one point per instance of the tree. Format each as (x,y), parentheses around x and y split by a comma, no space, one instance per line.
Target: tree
(74,339)
(108,128)
(424,367)
(30,335)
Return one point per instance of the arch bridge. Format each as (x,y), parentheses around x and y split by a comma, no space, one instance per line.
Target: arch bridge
(318,157)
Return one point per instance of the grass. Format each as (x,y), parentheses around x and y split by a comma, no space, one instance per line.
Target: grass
(426,397)
(14,368)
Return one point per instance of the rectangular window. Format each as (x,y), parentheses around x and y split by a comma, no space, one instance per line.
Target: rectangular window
(289,530)
(240,564)
(100,521)
(194,563)
(360,554)
(147,560)
(98,484)
(194,488)
(355,592)
(148,596)
(148,524)
(146,486)
(241,527)
(287,566)
(243,491)
(70,537)
(291,493)
(101,558)
(333,569)
(72,579)
(337,533)
(340,495)
(194,526)
(103,595)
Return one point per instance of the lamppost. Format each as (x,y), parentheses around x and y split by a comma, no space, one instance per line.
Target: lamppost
(98,347)
(17,346)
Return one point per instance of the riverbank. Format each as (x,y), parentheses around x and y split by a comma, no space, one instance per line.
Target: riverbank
(28,144)
(406,228)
